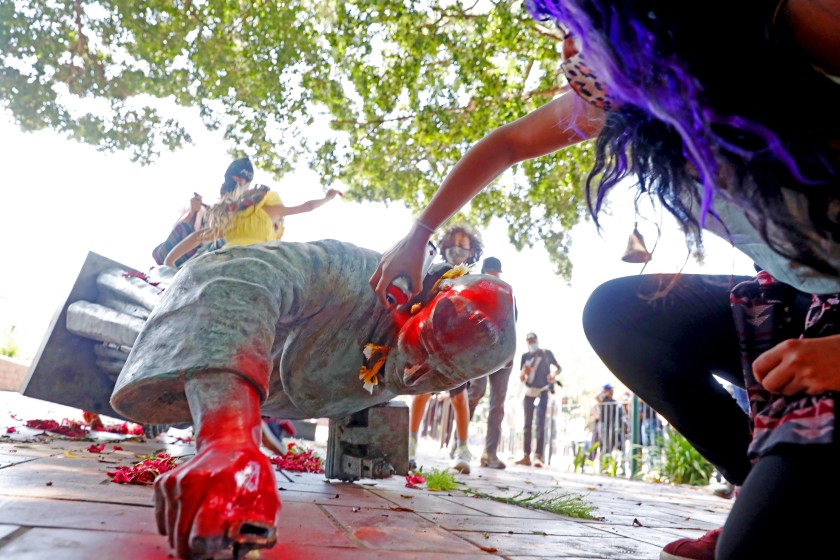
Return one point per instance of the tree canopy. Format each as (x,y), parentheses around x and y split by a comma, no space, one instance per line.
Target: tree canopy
(382,95)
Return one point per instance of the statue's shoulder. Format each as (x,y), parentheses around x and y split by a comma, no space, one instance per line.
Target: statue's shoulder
(342,247)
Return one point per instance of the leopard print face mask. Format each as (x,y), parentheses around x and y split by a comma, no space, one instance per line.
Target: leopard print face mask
(585,83)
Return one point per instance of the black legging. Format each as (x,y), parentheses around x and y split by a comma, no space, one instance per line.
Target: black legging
(665,347)
(787,507)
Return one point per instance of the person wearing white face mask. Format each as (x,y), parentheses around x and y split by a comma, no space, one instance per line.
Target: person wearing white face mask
(535,372)
(459,246)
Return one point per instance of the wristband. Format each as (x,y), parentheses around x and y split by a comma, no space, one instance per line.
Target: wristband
(424,226)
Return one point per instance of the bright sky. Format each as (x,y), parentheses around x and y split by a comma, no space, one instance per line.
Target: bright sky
(62,199)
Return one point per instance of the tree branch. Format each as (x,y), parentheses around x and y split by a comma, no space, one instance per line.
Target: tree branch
(82,50)
(470,107)
(546,33)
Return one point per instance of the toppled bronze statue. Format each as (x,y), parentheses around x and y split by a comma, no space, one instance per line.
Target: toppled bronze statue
(290,330)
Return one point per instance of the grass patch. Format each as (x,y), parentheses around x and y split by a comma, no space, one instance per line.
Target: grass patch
(570,505)
(440,480)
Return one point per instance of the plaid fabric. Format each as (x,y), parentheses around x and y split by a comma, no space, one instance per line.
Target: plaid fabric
(762,308)
(179,232)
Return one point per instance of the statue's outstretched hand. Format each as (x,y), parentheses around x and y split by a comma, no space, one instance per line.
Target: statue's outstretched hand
(225,496)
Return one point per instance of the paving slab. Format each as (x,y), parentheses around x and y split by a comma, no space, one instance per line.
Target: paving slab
(396,530)
(56,501)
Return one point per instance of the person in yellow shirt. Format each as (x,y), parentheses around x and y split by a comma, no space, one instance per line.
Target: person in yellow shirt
(244,215)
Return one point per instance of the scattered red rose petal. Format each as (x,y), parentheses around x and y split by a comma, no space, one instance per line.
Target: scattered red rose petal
(11,430)
(183,440)
(126,428)
(140,275)
(69,428)
(96,448)
(413,480)
(145,472)
(117,448)
(299,460)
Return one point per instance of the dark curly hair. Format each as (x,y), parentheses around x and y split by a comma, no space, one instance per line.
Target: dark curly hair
(447,240)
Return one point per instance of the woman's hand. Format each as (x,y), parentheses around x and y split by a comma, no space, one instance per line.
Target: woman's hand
(196,203)
(404,258)
(205,234)
(332,193)
(800,365)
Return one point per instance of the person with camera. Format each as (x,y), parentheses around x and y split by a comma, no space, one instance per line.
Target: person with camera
(535,372)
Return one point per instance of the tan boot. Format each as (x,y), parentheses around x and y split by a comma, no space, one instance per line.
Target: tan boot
(525,461)
(538,460)
(494,462)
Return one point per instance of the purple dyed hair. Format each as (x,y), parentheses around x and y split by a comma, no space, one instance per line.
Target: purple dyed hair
(665,121)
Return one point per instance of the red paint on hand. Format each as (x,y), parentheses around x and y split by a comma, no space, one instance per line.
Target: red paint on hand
(226,494)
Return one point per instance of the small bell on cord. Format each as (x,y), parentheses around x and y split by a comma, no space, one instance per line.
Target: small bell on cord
(636,251)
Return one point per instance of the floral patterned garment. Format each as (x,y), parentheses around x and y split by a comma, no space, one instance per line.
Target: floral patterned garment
(763,311)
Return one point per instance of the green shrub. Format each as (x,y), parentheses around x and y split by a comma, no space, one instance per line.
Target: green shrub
(609,466)
(8,346)
(582,455)
(682,463)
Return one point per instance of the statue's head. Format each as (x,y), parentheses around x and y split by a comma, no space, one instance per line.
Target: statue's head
(465,330)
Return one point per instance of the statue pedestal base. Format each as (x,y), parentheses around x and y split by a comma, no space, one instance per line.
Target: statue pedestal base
(372,443)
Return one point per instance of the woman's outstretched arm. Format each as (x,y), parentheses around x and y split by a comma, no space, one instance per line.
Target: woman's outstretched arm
(278,211)
(563,122)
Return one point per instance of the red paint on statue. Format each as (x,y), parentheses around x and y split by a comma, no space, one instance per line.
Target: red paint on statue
(254,368)
(459,317)
(443,337)
(399,315)
(227,493)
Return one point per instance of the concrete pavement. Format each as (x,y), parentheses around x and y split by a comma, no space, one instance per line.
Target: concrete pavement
(57,502)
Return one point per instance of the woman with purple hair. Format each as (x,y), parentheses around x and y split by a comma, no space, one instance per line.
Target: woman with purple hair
(726,113)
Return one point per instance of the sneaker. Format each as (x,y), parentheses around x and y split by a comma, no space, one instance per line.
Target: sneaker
(412,453)
(692,549)
(526,461)
(461,461)
(724,491)
(538,460)
(272,436)
(453,448)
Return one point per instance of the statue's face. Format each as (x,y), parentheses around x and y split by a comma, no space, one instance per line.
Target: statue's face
(466,331)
